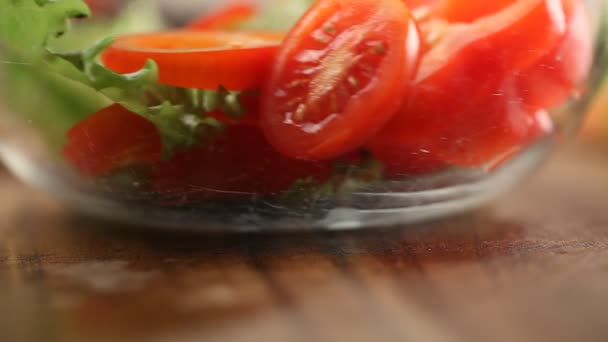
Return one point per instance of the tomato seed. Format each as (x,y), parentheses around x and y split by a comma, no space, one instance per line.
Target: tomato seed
(421,13)
(300,112)
(329,28)
(321,37)
(379,48)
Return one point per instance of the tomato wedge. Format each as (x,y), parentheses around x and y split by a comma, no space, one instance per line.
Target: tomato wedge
(238,162)
(340,75)
(485,133)
(111,139)
(224,18)
(559,73)
(465,107)
(204,60)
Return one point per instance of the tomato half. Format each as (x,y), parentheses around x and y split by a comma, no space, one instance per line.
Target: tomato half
(204,60)
(464,107)
(340,75)
(559,74)
(224,18)
(111,139)
(496,128)
(238,162)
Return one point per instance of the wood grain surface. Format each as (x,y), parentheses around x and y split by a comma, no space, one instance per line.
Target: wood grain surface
(533,266)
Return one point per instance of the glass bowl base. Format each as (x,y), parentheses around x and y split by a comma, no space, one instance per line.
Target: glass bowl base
(396,203)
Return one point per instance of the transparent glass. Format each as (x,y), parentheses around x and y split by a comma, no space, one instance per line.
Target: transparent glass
(457,161)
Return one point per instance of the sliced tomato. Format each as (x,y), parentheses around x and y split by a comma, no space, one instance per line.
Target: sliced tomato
(224,18)
(560,73)
(482,134)
(239,162)
(465,108)
(204,60)
(494,46)
(340,75)
(111,139)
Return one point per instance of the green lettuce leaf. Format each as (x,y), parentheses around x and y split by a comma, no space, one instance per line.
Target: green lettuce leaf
(138,16)
(27,25)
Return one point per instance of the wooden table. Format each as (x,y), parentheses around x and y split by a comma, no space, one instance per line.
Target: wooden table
(531,267)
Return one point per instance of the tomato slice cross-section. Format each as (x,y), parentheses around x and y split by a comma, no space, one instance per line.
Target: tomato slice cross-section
(340,75)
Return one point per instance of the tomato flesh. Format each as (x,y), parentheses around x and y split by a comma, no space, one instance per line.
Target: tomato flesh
(340,75)
(111,139)
(465,109)
(224,18)
(204,60)
(239,162)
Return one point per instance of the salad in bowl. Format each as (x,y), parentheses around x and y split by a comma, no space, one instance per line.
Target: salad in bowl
(327,114)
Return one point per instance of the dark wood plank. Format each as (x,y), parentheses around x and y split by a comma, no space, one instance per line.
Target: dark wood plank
(533,266)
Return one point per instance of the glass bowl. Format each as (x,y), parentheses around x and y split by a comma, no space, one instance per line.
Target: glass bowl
(429,159)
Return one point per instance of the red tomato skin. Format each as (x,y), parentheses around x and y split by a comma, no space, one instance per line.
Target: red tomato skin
(223,18)
(238,162)
(204,64)
(464,109)
(110,139)
(561,72)
(468,10)
(356,114)
(499,127)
